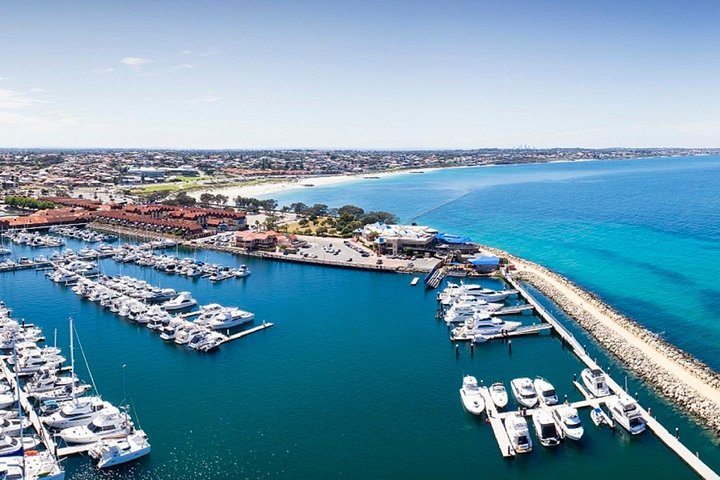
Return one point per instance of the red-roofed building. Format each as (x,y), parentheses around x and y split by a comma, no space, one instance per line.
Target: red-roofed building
(256,240)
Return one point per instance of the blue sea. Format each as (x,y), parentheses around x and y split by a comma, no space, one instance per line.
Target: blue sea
(358,380)
(643,234)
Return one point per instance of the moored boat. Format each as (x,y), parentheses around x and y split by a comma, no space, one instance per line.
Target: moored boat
(567,419)
(518,433)
(524,392)
(471,397)
(545,428)
(594,381)
(499,395)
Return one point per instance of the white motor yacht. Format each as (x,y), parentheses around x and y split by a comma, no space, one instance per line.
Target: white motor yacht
(184,335)
(524,392)
(7,399)
(471,397)
(483,326)
(566,417)
(229,318)
(209,342)
(169,332)
(242,271)
(184,300)
(545,428)
(462,312)
(594,381)
(10,446)
(499,395)
(545,391)
(108,424)
(109,453)
(625,411)
(518,433)
(78,412)
(13,426)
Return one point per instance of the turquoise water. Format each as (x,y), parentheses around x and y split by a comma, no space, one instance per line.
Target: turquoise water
(357,379)
(643,234)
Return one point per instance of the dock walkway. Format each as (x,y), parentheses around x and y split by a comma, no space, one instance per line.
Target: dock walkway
(670,441)
(249,331)
(495,418)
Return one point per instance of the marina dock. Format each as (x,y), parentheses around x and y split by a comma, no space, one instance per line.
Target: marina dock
(25,266)
(496,423)
(247,332)
(670,441)
(74,450)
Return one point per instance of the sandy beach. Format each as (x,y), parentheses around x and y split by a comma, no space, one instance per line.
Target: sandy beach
(256,190)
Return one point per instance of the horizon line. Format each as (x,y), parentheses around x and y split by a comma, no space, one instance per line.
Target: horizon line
(352,149)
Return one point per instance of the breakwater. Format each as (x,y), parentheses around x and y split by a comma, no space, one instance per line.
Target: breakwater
(681,378)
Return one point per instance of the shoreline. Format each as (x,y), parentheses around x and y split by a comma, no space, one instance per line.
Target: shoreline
(287,184)
(298,183)
(687,383)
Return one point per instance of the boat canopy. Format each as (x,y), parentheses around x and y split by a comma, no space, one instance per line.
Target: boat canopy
(485,261)
(452,239)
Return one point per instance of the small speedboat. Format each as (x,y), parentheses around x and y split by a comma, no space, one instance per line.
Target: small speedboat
(499,395)
(471,397)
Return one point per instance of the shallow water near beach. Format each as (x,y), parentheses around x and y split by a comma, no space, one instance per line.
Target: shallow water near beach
(357,379)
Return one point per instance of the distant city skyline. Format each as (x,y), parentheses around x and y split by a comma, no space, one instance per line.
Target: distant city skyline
(368,75)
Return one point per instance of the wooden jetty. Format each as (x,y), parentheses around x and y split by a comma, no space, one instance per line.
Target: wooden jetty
(513,310)
(24,266)
(498,427)
(247,332)
(670,441)
(74,450)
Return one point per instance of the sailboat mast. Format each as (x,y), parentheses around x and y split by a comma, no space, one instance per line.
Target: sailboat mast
(72,361)
(17,395)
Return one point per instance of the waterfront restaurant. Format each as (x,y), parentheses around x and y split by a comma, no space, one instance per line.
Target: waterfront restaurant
(395,239)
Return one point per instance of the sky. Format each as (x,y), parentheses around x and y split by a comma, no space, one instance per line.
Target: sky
(359,74)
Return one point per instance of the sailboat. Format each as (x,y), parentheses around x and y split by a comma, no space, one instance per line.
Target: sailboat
(79,411)
(109,453)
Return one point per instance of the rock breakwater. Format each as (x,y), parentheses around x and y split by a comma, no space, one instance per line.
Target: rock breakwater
(594,316)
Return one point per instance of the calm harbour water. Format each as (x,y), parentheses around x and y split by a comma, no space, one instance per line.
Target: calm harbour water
(358,380)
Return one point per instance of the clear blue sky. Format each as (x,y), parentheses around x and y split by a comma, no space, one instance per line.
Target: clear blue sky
(342,74)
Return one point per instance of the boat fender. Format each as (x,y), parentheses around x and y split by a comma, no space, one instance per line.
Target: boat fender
(31,453)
